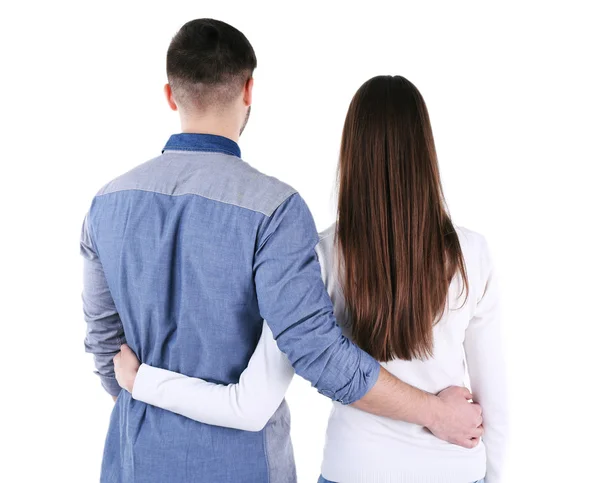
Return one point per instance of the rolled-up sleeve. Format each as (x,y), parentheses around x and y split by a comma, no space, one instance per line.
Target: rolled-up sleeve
(104,334)
(293,300)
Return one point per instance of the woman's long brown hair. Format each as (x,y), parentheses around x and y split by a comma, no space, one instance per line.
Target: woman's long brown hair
(398,246)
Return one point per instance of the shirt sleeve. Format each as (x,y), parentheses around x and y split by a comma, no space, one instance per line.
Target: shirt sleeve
(486,368)
(247,405)
(293,300)
(104,334)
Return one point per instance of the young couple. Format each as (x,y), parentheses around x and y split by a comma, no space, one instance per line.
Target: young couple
(215,277)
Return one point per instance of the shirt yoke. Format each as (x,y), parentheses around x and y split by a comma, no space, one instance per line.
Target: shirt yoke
(215,176)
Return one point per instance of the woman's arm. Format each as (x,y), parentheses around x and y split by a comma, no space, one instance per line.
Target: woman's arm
(247,405)
(486,367)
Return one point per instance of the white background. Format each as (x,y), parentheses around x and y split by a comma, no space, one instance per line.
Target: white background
(513,96)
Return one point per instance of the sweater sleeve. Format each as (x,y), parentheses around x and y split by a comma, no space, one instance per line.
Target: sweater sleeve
(247,405)
(486,368)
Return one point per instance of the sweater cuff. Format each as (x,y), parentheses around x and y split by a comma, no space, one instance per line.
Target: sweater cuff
(144,386)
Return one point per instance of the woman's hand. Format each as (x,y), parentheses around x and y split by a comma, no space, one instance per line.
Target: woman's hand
(126,367)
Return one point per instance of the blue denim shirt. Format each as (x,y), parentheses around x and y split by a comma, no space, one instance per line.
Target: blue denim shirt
(184,256)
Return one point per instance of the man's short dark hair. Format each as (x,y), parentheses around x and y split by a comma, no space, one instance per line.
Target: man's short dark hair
(208,63)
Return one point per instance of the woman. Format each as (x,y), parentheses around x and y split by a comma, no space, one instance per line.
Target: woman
(407,286)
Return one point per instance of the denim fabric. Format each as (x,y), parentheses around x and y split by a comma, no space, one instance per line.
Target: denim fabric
(184,256)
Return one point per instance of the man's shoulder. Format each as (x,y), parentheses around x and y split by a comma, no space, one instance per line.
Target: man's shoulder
(256,190)
(130,179)
(214,176)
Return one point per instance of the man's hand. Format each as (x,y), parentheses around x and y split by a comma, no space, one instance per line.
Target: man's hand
(449,415)
(457,420)
(126,367)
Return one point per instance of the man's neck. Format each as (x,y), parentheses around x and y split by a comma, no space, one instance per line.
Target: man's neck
(211,125)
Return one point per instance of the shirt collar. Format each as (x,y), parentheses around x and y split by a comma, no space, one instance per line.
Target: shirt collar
(202,142)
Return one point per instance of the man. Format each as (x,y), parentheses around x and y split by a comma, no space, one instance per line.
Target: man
(186,255)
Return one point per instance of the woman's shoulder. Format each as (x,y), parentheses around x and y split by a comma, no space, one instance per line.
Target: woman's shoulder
(326,241)
(471,242)
(476,253)
(328,234)
(325,250)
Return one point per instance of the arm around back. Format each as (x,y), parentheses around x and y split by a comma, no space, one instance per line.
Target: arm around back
(247,405)
(293,300)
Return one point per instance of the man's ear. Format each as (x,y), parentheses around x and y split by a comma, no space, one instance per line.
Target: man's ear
(169,96)
(248,91)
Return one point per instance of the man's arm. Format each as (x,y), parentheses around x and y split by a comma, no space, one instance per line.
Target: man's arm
(449,416)
(104,329)
(293,300)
